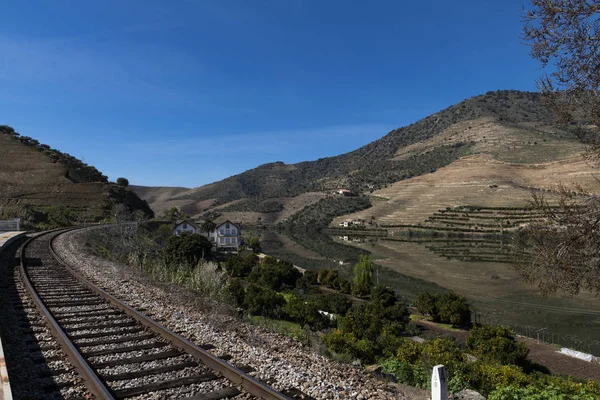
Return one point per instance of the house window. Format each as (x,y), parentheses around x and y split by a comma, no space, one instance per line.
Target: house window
(184,226)
(227,226)
(233,232)
(221,232)
(212,238)
(222,240)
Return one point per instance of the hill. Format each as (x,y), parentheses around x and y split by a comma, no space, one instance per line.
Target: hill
(509,126)
(46,187)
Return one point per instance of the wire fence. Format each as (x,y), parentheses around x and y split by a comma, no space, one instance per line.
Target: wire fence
(545,335)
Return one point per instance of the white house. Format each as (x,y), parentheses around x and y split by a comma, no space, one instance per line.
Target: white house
(227,235)
(186,226)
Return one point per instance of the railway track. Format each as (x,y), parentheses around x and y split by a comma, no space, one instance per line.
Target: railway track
(119,352)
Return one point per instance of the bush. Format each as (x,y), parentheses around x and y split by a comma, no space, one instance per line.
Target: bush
(348,344)
(360,289)
(496,344)
(306,313)
(265,302)
(443,351)
(369,327)
(487,377)
(384,295)
(186,249)
(409,351)
(240,266)
(448,308)
(426,304)
(274,274)
(345,286)
(406,373)
(537,393)
(237,291)
(454,309)
(334,303)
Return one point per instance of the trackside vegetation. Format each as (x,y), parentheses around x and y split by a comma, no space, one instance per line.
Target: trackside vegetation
(348,319)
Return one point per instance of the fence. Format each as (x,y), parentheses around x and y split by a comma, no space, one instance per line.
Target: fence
(546,336)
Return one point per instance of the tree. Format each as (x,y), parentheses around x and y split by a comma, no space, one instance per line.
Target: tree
(186,249)
(384,295)
(561,251)
(363,271)
(566,33)
(174,214)
(496,344)
(448,308)
(426,304)
(208,226)
(122,182)
(265,302)
(275,274)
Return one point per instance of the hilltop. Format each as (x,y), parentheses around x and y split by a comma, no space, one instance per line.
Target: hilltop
(508,126)
(46,187)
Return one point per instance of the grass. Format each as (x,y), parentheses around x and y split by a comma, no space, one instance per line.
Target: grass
(287,328)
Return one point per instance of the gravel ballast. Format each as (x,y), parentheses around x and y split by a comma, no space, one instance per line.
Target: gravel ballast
(278,360)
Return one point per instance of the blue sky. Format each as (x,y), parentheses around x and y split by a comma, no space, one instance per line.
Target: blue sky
(183,93)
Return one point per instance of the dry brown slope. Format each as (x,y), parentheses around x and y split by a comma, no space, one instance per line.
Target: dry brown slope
(291,205)
(510,163)
(28,177)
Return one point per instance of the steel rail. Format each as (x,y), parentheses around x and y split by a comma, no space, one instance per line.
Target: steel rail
(86,372)
(235,375)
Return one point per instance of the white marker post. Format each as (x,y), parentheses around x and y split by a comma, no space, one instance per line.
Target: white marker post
(439,383)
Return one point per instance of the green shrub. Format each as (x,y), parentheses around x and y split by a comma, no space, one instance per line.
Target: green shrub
(265,302)
(348,344)
(448,308)
(443,351)
(237,291)
(454,309)
(409,351)
(537,393)
(426,304)
(334,303)
(274,274)
(186,249)
(487,377)
(496,344)
(406,373)
(306,313)
(240,266)
(384,295)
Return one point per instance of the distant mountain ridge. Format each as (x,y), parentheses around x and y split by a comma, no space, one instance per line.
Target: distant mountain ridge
(372,166)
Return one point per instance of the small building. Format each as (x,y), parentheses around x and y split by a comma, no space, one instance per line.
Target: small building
(186,226)
(227,236)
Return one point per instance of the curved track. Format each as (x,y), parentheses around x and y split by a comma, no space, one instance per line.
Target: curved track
(119,352)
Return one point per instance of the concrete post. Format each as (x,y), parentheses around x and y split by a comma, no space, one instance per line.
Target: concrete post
(439,383)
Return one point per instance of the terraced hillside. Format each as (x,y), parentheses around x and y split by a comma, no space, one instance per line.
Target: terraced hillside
(508,126)
(43,185)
